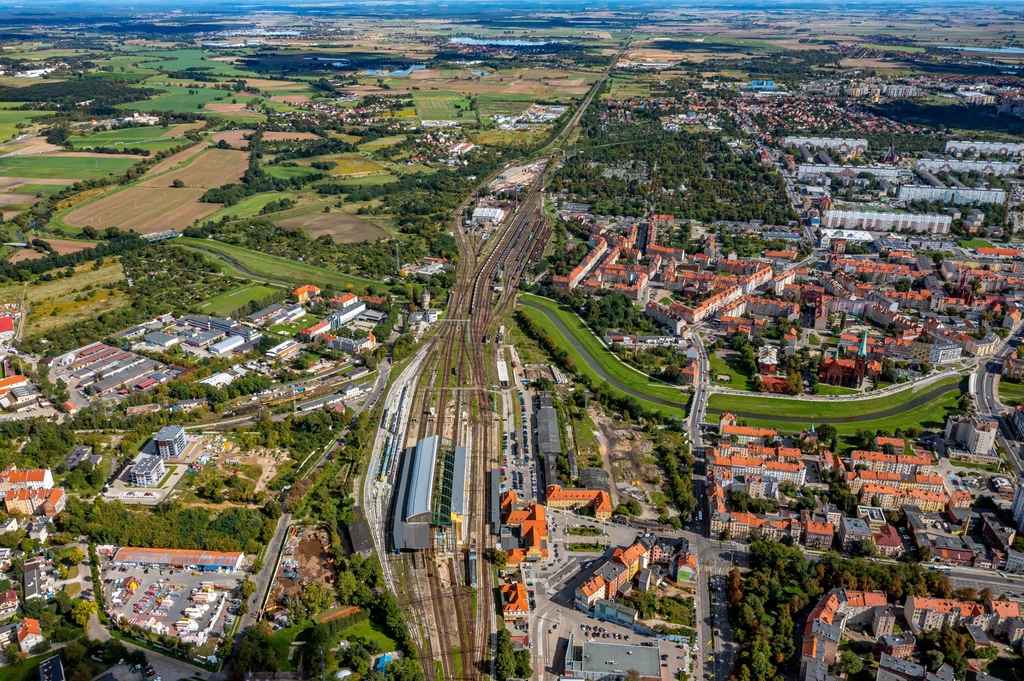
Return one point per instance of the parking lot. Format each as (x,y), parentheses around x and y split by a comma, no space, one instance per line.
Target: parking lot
(192,605)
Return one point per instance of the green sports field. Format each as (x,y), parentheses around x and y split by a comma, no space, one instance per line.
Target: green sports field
(227,303)
(69,167)
(128,137)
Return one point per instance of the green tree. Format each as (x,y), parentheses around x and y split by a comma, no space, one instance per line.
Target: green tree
(850,662)
(82,611)
(317,597)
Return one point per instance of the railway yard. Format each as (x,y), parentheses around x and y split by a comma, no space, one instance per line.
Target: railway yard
(448,390)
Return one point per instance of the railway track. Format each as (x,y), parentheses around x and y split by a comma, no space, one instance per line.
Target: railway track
(460,637)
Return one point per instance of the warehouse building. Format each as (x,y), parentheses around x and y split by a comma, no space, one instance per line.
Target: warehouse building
(179,558)
(492,215)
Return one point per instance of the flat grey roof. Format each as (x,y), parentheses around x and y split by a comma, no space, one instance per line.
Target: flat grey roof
(168,432)
(147,464)
(421,477)
(619,658)
(548,441)
(459,482)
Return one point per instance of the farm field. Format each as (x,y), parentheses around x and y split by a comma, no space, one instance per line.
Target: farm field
(350,164)
(227,303)
(212,168)
(442,106)
(288,172)
(342,227)
(60,246)
(174,160)
(272,267)
(178,60)
(146,209)
(382,142)
(179,99)
(237,138)
(621,88)
(10,119)
(64,166)
(250,206)
(502,105)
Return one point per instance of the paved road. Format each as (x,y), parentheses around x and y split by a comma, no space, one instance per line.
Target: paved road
(681,404)
(920,400)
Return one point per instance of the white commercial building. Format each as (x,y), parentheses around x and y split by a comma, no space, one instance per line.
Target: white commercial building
(828,236)
(881,221)
(492,215)
(227,345)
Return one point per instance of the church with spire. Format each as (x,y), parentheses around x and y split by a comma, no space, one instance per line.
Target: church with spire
(849,373)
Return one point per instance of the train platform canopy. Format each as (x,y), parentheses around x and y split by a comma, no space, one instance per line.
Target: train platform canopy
(204,560)
(411,513)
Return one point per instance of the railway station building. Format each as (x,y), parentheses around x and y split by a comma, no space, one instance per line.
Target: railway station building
(430,504)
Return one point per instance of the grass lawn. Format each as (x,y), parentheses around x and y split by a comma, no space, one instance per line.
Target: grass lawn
(975,243)
(1010,392)
(931,415)
(26,669)
(817,409)
(70,167)
(287,329)
(226,303)
(825,389)
(36,189)
(281,641)
(740,379)
(9,121)
(367,630)
(281,269)
(611,364)
(813,339)
(73,589)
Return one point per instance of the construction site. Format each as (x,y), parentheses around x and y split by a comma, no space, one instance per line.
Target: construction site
(306,558)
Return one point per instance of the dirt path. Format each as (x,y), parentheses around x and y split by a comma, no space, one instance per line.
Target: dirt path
(606,461)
